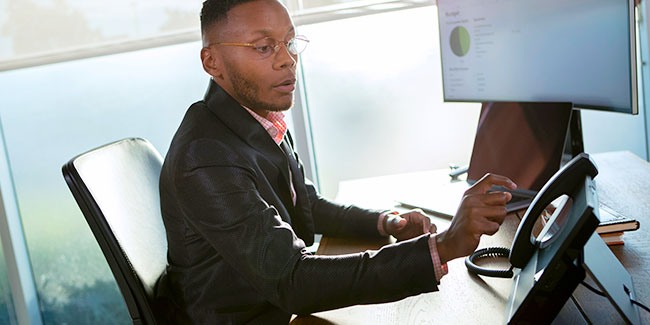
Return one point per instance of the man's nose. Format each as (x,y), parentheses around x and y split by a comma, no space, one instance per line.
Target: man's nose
(283,58)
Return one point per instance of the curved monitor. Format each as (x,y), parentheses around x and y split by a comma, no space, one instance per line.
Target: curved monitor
(580,51)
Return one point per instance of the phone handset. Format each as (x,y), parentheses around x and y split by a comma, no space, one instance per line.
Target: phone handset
(563,182)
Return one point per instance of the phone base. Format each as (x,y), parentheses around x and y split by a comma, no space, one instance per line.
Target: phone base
(534,300)
(536,297)
(611,277)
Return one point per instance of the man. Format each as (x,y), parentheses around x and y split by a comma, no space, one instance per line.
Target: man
(239,212)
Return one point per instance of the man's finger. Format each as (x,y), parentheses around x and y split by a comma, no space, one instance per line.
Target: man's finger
(416,210)
(489,180)
(486,199)
(490,228)
(426,225)
(493,211)
(496,198)
(497,219)
(396,222)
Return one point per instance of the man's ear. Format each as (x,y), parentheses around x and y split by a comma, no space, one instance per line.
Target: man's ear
(212,63)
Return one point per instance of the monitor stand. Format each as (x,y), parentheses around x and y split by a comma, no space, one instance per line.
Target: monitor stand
(599,261)
(611,277)
(573,144)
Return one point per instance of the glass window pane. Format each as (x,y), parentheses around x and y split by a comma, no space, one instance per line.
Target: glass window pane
(52,113)
(7,311)
(67,24)
(375,98)
(299,5)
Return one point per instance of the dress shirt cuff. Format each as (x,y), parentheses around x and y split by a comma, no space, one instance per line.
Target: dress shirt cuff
(381,222)
(439,269)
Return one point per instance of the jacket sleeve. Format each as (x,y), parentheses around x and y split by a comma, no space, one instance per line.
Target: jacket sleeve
(221,202)
(337,220)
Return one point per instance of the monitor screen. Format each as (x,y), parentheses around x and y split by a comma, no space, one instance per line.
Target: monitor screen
(579,51)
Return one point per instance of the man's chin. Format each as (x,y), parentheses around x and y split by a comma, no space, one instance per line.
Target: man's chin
(281,108)
(271,106)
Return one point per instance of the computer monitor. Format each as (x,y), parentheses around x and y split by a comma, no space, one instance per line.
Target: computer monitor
(523,141)
(579,51)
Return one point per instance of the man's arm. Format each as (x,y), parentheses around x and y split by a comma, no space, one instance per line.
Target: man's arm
(333,219)
(222,204)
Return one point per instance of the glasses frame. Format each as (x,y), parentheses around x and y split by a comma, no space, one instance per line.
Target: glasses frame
(275,48)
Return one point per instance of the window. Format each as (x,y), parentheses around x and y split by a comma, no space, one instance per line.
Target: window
(32,27)
(55,112)
(312,11)
(7,315)
(300,6)
(36,32)
(374,93)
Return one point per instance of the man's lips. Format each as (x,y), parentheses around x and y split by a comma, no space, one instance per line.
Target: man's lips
(286,86)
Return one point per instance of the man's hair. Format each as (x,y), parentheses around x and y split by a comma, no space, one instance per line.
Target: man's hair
(215,11)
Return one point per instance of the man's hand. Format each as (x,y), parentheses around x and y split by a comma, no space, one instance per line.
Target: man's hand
(408,225)
(480,212)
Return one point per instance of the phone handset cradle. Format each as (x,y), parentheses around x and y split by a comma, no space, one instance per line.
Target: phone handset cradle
(549,268)
(564,182)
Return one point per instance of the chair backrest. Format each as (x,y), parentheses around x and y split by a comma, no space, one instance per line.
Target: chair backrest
(116,188)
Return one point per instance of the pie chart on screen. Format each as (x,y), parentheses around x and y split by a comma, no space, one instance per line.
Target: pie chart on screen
(459,41)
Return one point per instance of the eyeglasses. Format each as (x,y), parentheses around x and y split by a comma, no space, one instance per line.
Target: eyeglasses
(268,46)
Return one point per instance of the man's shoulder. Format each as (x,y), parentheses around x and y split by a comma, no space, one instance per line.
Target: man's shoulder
(203,139)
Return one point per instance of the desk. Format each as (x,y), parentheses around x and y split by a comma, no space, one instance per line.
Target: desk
(623,184)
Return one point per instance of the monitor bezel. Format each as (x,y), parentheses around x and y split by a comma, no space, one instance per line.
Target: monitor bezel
(634,105)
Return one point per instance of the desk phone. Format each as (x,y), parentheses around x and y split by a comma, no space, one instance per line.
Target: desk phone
(548,267)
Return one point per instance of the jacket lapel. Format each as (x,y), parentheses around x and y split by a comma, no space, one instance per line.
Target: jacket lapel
(303,221)
(245,126)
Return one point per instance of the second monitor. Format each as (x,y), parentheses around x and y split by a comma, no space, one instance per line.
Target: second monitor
(522,141)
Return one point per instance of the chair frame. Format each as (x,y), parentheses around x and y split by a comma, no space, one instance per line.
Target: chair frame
(135,296)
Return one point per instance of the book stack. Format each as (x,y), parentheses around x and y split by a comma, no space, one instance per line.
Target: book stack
(613,225)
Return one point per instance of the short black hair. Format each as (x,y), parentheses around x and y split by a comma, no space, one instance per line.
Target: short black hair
(214,11)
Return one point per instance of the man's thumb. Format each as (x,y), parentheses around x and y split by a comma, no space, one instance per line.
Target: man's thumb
(396,222)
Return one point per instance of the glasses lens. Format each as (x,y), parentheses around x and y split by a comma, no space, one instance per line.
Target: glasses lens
(297,45)
(265,47)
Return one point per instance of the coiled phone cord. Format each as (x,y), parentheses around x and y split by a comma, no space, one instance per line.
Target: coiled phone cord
(491,253)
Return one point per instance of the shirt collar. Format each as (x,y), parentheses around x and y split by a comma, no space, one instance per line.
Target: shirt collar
(274,124)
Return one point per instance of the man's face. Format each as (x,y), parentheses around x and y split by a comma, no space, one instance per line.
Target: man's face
(255,82)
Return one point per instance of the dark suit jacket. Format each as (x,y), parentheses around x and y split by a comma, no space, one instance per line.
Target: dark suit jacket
(236,242)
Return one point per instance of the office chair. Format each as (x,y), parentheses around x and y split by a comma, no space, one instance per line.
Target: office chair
(116,188)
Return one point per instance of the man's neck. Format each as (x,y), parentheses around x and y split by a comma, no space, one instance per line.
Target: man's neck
(261,112)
